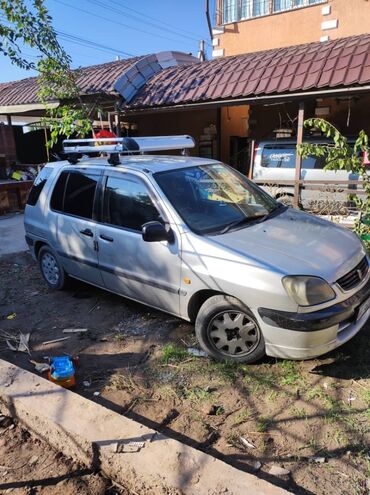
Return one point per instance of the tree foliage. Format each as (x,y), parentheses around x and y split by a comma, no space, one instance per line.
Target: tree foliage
(28,23)
(340,155)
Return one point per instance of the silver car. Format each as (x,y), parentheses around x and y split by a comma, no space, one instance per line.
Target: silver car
(198,240)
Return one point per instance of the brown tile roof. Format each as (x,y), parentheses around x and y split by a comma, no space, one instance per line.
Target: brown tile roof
(93,79)
(340,63)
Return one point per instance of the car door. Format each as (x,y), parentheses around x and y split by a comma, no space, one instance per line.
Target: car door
(72,205)
(148,272)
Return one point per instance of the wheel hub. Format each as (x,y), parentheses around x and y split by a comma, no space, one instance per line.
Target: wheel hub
(50,268)
(233,333)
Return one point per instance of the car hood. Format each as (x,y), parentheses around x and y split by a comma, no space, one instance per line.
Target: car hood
(294,242)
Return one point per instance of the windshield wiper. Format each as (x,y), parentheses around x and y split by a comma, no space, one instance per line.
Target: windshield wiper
(279,208)
(255,219)
(242,221)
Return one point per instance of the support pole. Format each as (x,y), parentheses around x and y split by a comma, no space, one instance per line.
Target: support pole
(117,120)
(219,131)
(298,161)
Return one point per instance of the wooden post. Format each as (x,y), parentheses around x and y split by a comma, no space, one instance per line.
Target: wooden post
(9,120)
(110,121)
(251,164)
(117,120)
(298,161)
(219,129)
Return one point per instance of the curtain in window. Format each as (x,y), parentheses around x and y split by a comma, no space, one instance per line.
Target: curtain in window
(230,11)
(260,7)
(254,8)
(246,11)
(280,5)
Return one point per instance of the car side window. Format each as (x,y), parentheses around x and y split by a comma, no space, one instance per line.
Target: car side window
(38,186)
(74,194)
(127,203)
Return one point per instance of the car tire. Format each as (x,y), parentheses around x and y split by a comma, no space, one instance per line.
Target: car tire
(51,269)
(227,330)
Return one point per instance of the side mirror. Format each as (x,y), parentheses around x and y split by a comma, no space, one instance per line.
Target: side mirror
(156,232)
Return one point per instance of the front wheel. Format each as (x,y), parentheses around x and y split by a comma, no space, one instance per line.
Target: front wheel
(51,270)
(227,330)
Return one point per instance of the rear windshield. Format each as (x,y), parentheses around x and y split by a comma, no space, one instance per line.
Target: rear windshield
(38,186)
(284,156)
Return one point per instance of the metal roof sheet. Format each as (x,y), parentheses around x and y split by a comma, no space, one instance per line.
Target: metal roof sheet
(314,66)
(92,80)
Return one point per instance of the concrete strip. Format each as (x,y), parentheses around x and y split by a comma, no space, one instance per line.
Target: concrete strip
(12,234)
(89,432)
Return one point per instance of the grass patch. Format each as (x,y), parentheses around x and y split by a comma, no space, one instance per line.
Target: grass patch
(260,382)
(228,371)
(315,393)
(291,374)
(242,416)
(172,353)
(197,394)
(334,409)
(263,424)
(119,381)
(365,396)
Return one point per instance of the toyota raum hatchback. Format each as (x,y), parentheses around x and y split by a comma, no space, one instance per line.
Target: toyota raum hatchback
(194,238)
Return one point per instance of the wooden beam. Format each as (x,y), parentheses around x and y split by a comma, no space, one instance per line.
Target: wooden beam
(251,164)
(298,161)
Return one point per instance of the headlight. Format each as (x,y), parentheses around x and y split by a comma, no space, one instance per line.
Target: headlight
(307,291)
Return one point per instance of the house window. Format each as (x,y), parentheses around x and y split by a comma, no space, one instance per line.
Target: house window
(254,8)
(230,11)
(236,10)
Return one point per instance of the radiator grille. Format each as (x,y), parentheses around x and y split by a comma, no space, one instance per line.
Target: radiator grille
(355,276)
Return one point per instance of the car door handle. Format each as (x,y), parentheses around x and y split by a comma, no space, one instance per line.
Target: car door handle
(87,232)
(106,238)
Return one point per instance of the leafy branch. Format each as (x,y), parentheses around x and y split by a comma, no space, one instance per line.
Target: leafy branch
(29,23)
(340,155)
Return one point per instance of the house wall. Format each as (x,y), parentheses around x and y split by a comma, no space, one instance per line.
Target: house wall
(302,25)
(8,153)
(234,122)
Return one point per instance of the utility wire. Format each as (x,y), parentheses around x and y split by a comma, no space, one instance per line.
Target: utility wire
(70,38)
(161,22)
(91,44)
(118,22)
(157,24)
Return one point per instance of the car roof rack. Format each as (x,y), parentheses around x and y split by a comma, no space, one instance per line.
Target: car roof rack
(116,146)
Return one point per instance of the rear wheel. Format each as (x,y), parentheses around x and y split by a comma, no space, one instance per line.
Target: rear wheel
(51,270)
(227,330)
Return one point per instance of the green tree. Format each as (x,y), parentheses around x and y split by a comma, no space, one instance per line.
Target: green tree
(340,155)
(28,23)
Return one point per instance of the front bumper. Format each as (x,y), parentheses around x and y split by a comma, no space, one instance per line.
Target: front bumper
(308,335)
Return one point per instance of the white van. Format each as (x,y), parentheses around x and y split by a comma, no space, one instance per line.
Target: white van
(274,161)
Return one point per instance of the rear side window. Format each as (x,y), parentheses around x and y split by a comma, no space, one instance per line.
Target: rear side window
(38,186)
(278,157)
(127,203)
(284,156)
(57,198)
(74,194)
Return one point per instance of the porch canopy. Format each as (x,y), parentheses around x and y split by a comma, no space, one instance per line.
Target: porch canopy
(304,72)
(317,69)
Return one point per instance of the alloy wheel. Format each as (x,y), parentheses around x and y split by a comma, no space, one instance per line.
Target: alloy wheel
(233,333)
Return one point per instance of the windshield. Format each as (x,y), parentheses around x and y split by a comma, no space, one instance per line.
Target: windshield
(214,198)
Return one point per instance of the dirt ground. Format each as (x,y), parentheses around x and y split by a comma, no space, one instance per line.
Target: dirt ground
(30,467)
(311,418)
